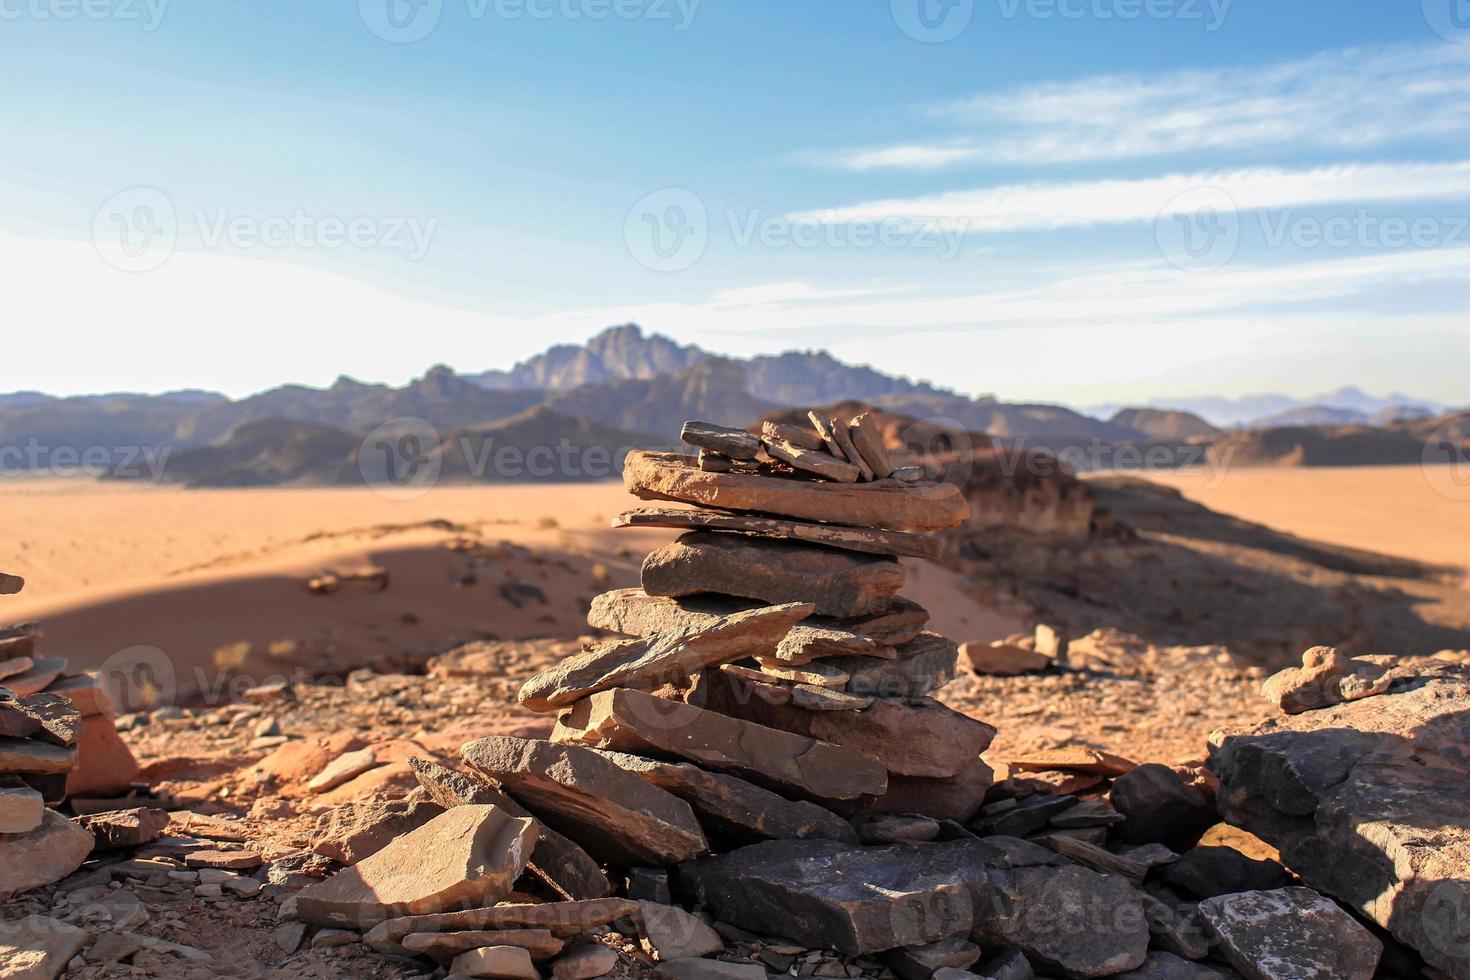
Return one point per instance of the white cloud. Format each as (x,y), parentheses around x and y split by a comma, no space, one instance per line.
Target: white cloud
(1034,206)
(1346,100)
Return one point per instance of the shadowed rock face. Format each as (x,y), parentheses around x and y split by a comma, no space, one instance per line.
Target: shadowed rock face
(1370,803)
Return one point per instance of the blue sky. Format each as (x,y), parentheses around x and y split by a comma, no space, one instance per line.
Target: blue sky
(1065,200)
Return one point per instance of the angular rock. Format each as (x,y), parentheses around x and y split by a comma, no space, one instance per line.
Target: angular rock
(956,798)
(1009,964)
(1002,659)
(920,667)
(585,963)
(10,666)
(650,885)
(825,427)
(838,583)
(1088,813)
(934,507)
(21,809)
(49,853)
(19,641)
(669,933)
(663,658)
(734,443)
(1093,855)
(868,440)
(466,856)
(1074,759)
(557,860)
(1291,934)
(844,439)
(813,461)
(445,946)
(353,831)
(88,693)
(815,673)
(825,699)
(343,769)
(60,723)
(735,809)
(217,860)
(1070,919)
(15,723)
(921,737)
(920,962)
(38,947)
(866,540)
(1159,806)
(562,919)
(28,755)
(1176,926)
(1327,677)
(116,829)
(715,463)
(1209,871)
(631,721)
(894,828)
(798,435)
(105,765)
(1023,816)
(1167,966)
(504,962)
(854,900)
(615,815)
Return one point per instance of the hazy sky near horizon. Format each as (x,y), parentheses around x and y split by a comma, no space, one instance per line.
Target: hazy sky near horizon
(1079,201)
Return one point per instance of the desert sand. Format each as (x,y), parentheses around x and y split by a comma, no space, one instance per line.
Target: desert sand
(1408,511)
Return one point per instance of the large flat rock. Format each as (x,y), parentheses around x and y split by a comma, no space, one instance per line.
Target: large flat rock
(615,815)
(664,658)
(736,810)
(838,583)
(48,853)
(465,857)
(561,919)
(631,721)
(32,755)
(919,667)
(1369,802)
(870,541)
(886,504)
(1291,934)
(855,900)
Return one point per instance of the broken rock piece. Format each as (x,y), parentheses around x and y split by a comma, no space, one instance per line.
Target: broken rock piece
(1291,934)
(1326,677)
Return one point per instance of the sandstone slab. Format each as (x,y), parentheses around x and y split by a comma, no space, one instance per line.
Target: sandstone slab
(502,962)
(732,443)
(669,933)
(15,723)
(934,507)
(1291,934)
(667,657)
(585,963)
(838,583)
(445,946)
(842,433)
(39,677)
(10,665)
(58,719)
(958,797)
(734,809)
(561,919)
(1002,659)
(615,815)
(467,856)
(868,440)
(353,831)
(798,435)
(21,809)
(631,721)
(1327,677)
(38,947)
(557,860)
(115,829)
(48,853)
(1073,759)
(813,461)
(918,668)
(30,755)
(867,540)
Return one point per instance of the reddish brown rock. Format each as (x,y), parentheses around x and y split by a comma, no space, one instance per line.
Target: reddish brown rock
(866,540)
(813,461)
(38,678)
(105,764)
(88,693)
(798,435)
(115,829)
(722,440)
(29,755)
(49,853)
(616,816)
(1327,677)
(849,451)
(353,831)
(932,507)
(838,583)
(868,439)
(918,668)
(39,948)
(956,798)
(11,584)
(1074,759)
(467,856)
(58,720)
(562,919)
(11,666)
(1002,659)
(445,946)
(15,723)
(21,808)
(496,962)
(19,641)
(631,721)
(664,658)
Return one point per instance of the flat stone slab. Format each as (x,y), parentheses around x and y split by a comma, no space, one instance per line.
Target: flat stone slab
(561,919)
(664,658)
(33,756)
(631,721)
(855,900)
(467,856)
(46,854)
(42,672)
(734,809)
(60,722)
(1291,934)
(1369,802)
(814,461)
(838,583)
(445,946)
(721,439)
(884,504)
(866,540)
(918,668)
(21,810)
(557,860)
(868,440)
(613,814)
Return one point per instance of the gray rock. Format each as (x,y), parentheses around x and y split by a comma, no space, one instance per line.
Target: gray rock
(920,667)
(721,439)
(649,885)
(920,962)
(1291,934)
(1210,871)
(1167,966)
(1010,964)
(1160,807)
(696,969)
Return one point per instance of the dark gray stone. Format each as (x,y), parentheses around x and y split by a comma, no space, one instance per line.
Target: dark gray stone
(1291,934)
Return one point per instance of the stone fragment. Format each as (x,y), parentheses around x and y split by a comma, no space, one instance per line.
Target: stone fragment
(844,439)
(1327,677)
(1209,871)
(562,919)
(734,443)
(815,673)
(1158,806)
(332,938)
(1074,759)
(715,463)
(1049,643)
(465,856)
(798,435)
(353,831)
(19,640)
(445,946)
(631,721)
(896,828)
(1291,934)
(10,665)
(15,723)
(709,970)
(1092,855)
(38,947)
(1167,966)
(288,936)
(813,461)
(105,765)
(936,507)
(1088,813)
(919,667)
(663,658)
(1069,919)
(115,829)
(615,815)
(35,680)
(920,962)
(28,755)
(343,769)
(217,860)
(585,963)
(557,860)
(1009,964)
(854,900)
(1024,817)
(649,884)
(824,428)
(60,723)
(504,962)
(838,583)
(825,699)
(867,540)
(669,933)
(868,440)
(734,809)
(1176,926)
(1002,659)
(11,584)
(21,809)
(909,474)
(88,693)
(956,798)
(38,857)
